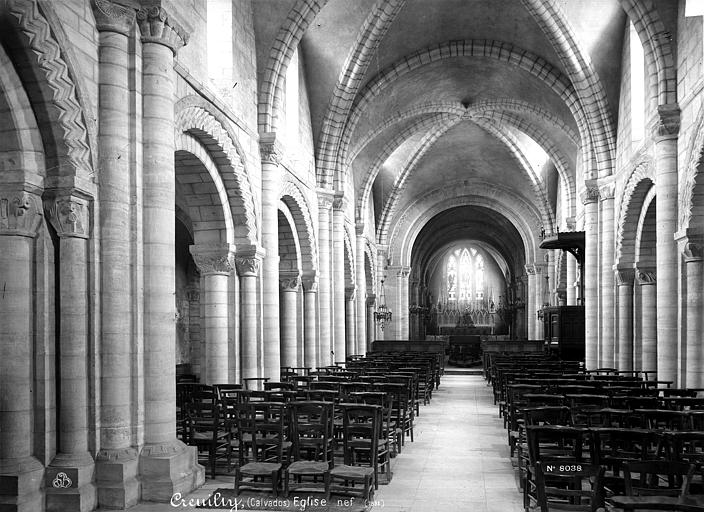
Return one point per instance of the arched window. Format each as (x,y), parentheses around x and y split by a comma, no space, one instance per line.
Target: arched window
(464,275)
(452,278)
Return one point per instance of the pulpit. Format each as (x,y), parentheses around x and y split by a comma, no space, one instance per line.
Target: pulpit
(564,331)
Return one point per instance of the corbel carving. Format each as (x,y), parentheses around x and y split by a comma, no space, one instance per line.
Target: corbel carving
(20,213)
(158,26)
(112,17)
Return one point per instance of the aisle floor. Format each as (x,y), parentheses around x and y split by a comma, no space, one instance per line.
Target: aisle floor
(458,462)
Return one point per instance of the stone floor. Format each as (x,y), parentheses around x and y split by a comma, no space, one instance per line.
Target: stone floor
(459,460)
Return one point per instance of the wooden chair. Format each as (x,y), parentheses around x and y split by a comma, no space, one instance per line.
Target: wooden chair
(569,486)
(209,429)
(312,438)
(660,485)
(264,447)
(361,426)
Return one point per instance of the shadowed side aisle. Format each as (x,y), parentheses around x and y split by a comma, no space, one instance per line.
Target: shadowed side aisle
(459,460)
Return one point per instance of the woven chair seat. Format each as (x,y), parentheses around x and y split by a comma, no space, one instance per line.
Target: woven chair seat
(260,468)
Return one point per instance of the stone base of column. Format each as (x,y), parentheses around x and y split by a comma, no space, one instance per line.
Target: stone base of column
(116,473)
(169,468)
(69,483)
(20,485)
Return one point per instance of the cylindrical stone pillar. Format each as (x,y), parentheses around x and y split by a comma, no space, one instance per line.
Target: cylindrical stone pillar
(271,188)
(338,277)
(166,464)
(310,333)
(403,302)
(624,279)
(540,284)
(324,353)
(571,263)
(20,216)
(666,249)
(350,321)
(248,263)
(531,308)
(648,314)
(289,309)
(607,312)
(69,214)
(371,324)
(215,263)
(591,276)
(694,272)
(116,462)
(361,303)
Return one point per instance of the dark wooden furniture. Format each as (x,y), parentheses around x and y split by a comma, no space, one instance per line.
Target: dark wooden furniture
(564,331)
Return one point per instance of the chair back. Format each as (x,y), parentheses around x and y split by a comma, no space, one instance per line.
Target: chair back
(569,485)
(312,430)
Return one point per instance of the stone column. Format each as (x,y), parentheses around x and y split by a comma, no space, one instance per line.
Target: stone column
(403,302)
(338,276)
(607,311)
(361,327)
(310,333)
(117,461)
(69,215)
(624,350)
(215,263)
(590,197)
(271,190)
(290,283)
(371,324)
(247,263)
(665,135)
(648,314)
(531,308)
(20,473)
(539,290)
(571,263)
(166,464)
(350,321)
(694,262)
(325,198)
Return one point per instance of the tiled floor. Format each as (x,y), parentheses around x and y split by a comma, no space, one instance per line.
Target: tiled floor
(458,462)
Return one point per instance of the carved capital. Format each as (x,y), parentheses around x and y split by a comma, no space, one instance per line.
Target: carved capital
(248,260)
(325,199)
(350,293)
(269,149)
(645,276)
(111,17)
(159,26)
(530,269)
(693,251)
(289,282)
(69,215)
(20,213)
(667,123)
(359,228)
(193,294)
(625,276)
(607,191)
(339,202)
(589,195)
(213,259)
(403,272)
(371,300)
(309,283)
(571,223)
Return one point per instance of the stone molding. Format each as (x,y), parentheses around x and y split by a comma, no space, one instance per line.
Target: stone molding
(625,276)
(20,213)
(112,17)
(371,300)
(325,198)
(213,259)
(69,215)
(589,195)
(359,229)
(667,121)
(159,26)
(571,223)
(645,276)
